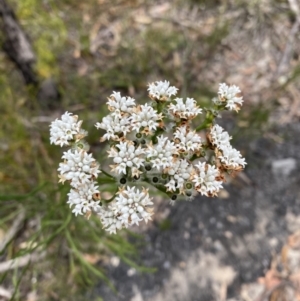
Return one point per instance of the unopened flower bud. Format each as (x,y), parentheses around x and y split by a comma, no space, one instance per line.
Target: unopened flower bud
(155,179)
(188,193)
(123,181)
(188,185)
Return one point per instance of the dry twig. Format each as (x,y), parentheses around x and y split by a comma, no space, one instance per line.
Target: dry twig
(13,230)
(288,51)
(4,293)
(21,261)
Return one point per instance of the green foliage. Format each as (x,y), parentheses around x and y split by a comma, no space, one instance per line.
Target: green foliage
(47,43)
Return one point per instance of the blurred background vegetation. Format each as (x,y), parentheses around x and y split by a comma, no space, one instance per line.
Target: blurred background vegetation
(83,51)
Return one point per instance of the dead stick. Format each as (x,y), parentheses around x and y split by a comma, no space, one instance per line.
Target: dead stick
(287,54)
(17,45)
(5,293)
(13,230)
(21,261)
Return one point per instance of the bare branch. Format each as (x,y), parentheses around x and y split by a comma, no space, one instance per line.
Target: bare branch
(288,51)
(20,262)
(13,230)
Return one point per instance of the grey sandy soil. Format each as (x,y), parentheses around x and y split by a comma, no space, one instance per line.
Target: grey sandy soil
(209,248)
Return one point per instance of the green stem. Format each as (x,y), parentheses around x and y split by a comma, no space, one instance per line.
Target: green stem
(106,181)
(107,174)
(146,180)
(207,122)
(83,261)
(160,106)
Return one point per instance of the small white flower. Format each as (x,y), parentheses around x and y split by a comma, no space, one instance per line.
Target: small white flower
(63,130)
(220,138)
(207,179)
(78,167)
(145,116)
(171,185)
(231,157)
(161,90)
(161,154)
(119,105)
(187,110)
(82,198)
(114,125)
(187,140)
(228,94)
(126,155)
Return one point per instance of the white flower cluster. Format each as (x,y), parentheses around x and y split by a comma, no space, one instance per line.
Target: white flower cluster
(185,110)
(126,117)
(130,207)
(118,104)
(180,172)
(187,141)
(126,155)
(79,168)
(154,143)
(228,96)
(207,180)
(161,90)
(176,165)
(84,198)
(65,129)
(145,117)
(161,155)
(230,158)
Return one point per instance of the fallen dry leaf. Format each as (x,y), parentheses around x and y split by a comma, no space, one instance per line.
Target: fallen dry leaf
(271,279)
(92,258)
